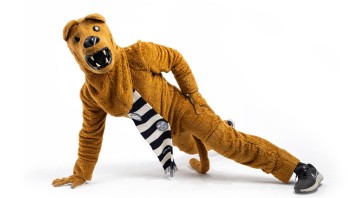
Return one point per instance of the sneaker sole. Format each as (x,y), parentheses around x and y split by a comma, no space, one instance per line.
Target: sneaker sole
(315,185)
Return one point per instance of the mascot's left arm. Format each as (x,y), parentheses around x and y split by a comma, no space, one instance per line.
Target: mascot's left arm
(159,58)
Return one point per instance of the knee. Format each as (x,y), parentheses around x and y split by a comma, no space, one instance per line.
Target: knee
(222,138)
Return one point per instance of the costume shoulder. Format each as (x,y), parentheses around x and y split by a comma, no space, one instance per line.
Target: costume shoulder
(86,97)
(135,55)
(145,55)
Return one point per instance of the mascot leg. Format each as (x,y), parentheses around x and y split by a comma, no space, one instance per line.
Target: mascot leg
(243,148)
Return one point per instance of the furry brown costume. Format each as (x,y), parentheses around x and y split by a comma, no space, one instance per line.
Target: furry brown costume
(108,90)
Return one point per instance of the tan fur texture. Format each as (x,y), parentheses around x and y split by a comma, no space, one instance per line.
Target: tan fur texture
(203,165)
(194,125)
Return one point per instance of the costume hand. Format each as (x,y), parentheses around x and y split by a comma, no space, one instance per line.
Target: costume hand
(72,180)
(198,102)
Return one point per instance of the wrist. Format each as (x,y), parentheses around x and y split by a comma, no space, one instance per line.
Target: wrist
(84,169)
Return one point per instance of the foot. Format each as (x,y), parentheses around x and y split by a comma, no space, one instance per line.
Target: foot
(308,179)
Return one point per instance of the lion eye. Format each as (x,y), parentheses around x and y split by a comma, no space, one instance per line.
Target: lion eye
(96,28)
(76,39)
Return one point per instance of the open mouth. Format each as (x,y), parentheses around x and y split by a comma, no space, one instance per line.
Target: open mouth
(99,59)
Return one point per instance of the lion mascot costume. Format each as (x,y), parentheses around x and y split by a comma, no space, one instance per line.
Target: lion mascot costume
(128,81)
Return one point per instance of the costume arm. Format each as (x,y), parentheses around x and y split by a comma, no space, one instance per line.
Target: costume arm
(90,141)
(158,58)
(90,136)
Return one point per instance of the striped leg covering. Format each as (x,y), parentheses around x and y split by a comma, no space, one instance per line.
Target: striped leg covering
(155,130)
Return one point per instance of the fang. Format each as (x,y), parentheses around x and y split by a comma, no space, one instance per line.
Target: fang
(97,64)
(106,60)
(104,52)
(92,58)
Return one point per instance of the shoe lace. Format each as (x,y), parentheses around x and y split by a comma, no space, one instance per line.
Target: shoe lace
(302,173)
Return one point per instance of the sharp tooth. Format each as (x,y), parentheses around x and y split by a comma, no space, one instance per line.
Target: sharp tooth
(104,52)
(92,58)
(106,60)
(97,64)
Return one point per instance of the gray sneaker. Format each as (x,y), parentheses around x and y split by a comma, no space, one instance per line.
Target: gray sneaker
(308,179)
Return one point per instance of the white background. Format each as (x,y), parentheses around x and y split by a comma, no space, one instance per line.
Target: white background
(280,69)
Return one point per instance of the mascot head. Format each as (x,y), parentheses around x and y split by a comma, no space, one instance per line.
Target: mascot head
(91,43)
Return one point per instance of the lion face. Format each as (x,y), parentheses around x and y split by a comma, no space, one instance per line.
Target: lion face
(90,41)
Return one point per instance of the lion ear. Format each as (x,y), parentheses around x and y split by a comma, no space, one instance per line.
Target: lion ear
(96,17)
(67,28)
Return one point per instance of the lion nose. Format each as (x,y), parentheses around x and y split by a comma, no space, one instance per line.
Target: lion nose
(90,41)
